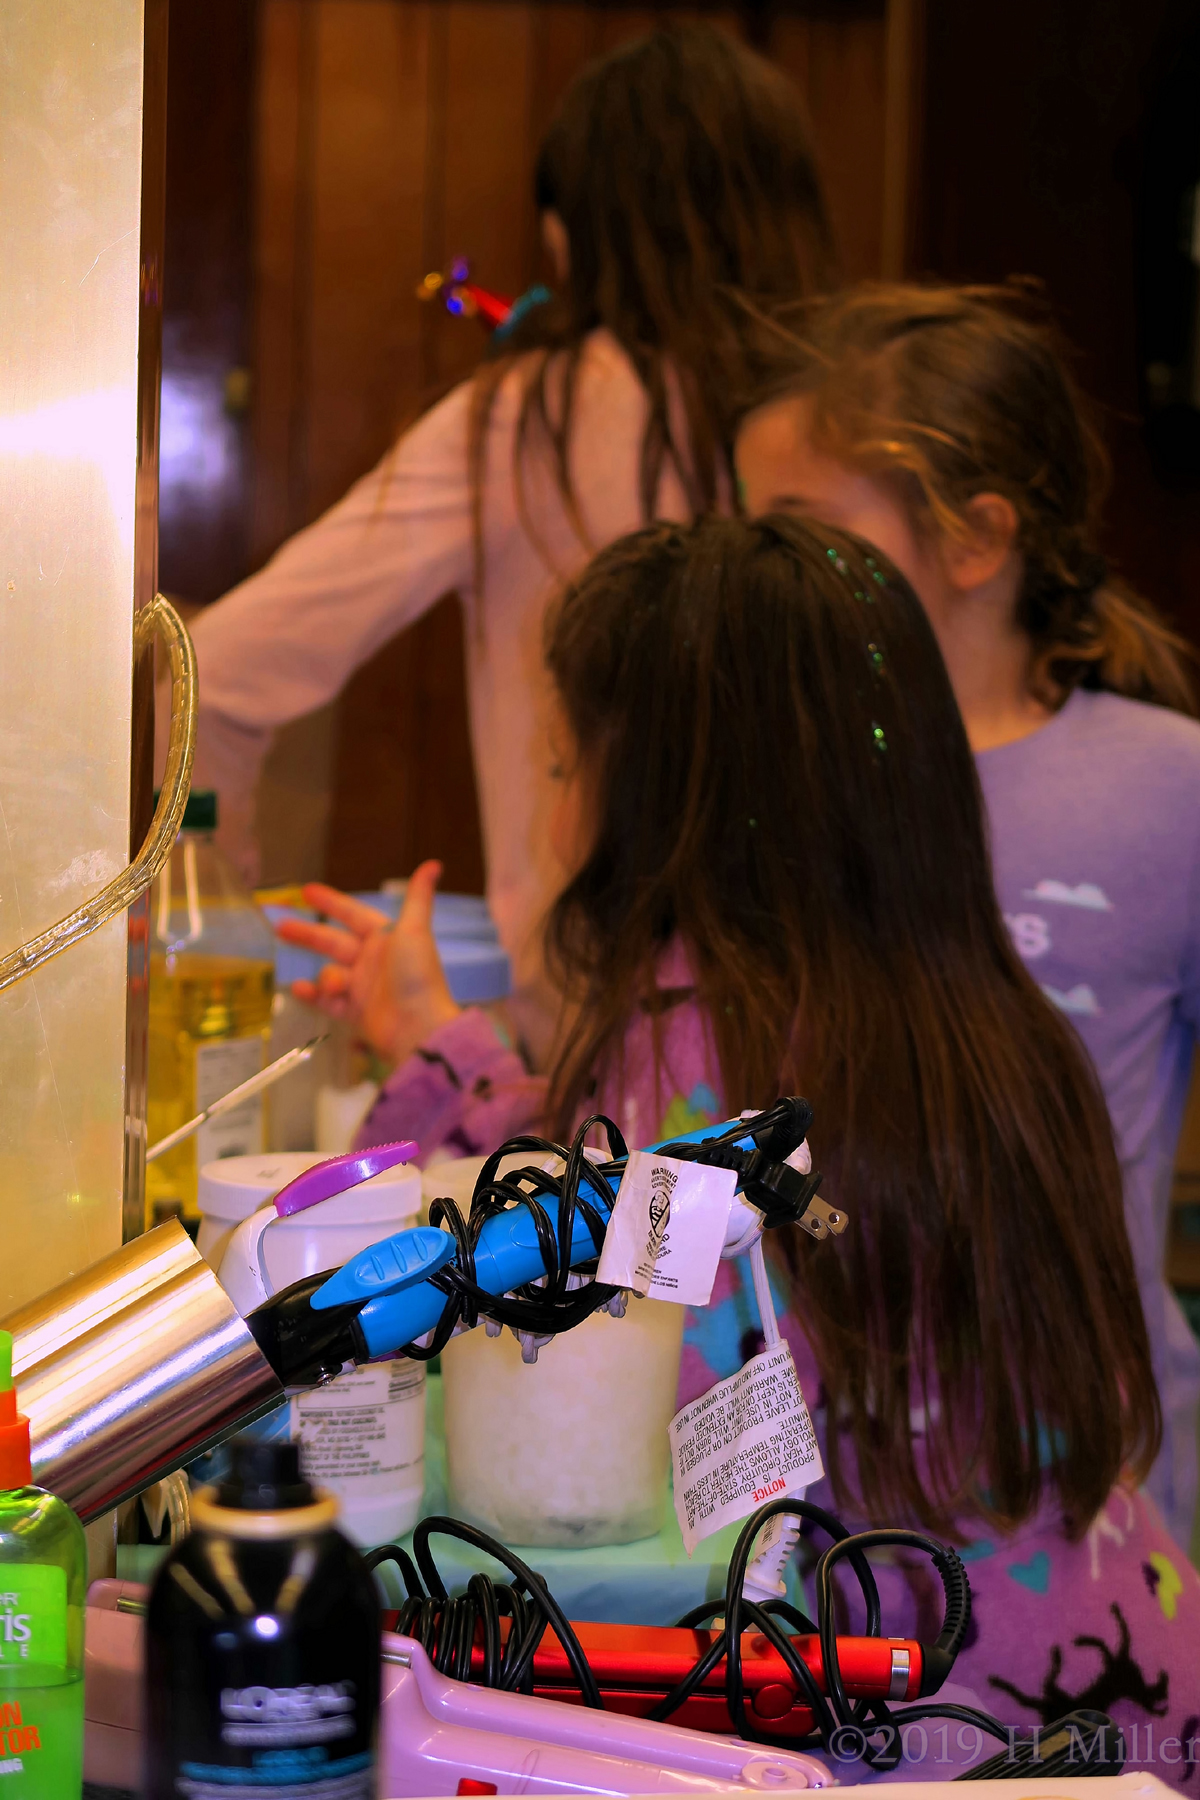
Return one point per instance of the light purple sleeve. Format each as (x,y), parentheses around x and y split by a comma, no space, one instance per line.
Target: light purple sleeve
(464,1090)
(1189,974)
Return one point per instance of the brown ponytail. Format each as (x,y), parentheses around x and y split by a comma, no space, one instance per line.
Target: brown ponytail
(1111,638)
(958,391)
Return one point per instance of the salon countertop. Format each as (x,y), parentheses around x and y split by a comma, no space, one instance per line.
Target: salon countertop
(649,1582)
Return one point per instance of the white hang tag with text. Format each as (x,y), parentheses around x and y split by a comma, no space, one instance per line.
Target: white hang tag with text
(747,1441)
(665,1235)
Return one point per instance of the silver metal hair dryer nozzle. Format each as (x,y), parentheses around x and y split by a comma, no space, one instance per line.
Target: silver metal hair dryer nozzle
(132,1368)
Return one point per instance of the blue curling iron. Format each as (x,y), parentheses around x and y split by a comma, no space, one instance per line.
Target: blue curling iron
(513,1261)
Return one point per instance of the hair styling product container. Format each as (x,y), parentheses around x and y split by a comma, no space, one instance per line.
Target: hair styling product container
(263,1644)
(571,1450)
(362,1436)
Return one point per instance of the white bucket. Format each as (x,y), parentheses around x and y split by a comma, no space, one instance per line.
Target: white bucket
(571,1450)
(363,1435)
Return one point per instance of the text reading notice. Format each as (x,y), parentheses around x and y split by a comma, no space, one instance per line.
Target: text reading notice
(748,1440)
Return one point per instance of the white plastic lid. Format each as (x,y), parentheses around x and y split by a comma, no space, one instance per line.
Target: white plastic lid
(236,1186)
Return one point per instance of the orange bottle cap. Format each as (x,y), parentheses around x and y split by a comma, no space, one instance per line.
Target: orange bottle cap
(16,1470)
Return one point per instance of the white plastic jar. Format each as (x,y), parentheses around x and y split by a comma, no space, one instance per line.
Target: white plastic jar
(363,1435)
(573,1449)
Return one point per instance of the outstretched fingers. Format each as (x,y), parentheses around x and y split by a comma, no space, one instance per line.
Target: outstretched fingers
(326,940)
(330,992)
(354,914)
(417,913)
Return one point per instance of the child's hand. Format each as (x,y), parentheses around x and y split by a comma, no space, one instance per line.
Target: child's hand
(386,980)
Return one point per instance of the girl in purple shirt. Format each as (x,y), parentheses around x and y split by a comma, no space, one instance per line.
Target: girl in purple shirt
(777,881)
(942,424)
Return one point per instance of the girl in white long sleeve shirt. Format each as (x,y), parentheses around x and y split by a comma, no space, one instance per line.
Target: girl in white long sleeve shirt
(676,176)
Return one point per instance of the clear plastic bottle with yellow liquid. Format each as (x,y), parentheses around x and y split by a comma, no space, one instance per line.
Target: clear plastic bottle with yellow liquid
(212,981)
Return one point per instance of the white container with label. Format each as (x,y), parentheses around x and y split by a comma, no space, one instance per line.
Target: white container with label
(571,1450)
(363,1435)
(363,1438)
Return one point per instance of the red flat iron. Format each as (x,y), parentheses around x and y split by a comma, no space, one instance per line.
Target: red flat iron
(637,1666)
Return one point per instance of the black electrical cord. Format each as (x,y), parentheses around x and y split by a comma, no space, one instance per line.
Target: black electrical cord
(549,1305)
(763,1618)
(306,1346)
(765,1178)
(1067,1744)
(446,1628)
(1082,1743)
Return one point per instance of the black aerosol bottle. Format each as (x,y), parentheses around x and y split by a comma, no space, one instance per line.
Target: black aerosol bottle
(262,1645)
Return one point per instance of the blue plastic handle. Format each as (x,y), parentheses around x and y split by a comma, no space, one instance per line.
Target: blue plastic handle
(506,1256)
(389,1267)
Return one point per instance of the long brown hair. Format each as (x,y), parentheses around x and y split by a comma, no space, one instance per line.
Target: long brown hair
(784,785)
(950,392)
(682,168)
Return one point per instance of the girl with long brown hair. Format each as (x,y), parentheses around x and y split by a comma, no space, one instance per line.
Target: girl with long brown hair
(776,880)
(943,424)
(676,175)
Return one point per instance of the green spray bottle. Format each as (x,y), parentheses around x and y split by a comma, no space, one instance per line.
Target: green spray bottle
(43,1586)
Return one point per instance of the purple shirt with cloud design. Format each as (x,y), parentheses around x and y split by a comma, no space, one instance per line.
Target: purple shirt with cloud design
(1095,828)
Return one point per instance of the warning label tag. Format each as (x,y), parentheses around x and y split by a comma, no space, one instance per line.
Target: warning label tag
(667,1229)
(748,1440)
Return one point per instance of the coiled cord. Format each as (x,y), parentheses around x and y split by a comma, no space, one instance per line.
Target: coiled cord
(1082,1743)
(539,1309)
(447,1628)
(553,1304)
(556,1301)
